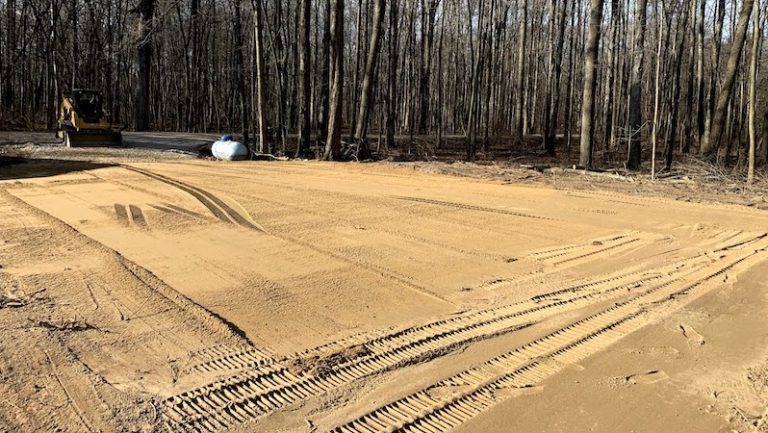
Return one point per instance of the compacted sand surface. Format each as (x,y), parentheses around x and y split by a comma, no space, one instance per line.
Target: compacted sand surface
(189,295)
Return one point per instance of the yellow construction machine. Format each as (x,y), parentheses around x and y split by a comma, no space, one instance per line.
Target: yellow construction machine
(83,121)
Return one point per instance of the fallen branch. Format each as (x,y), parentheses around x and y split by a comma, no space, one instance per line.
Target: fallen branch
(592,173)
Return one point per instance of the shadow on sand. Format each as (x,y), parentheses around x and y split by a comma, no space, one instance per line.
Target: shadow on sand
(17,167)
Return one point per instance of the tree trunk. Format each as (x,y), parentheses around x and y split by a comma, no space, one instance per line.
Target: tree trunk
(476,62)
(440,107)
(258,21)
(715,45)
(352,99)
(305,91)
(634,159)
(336,79)
(711,142)
(700,93)
(655,134)
(240,66)
(193,118)
(689,121)
(53,68)
(325,73)
(10,55)
(394,50)
(553,91)
(756,35)
(428,11)
(279,54)
(569,92)
(146,11)
(78,71)
(370,77)
(590,81)
(610,73)
(519,74)
(681,34)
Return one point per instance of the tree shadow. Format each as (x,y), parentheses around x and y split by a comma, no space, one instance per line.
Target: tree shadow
(17,167)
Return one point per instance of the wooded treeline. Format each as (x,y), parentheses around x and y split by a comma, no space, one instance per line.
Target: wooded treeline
(616,76)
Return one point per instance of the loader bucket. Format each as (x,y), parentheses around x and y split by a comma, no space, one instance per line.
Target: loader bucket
(92,139)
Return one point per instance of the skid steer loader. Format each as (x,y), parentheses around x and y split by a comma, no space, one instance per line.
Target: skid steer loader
(83,121)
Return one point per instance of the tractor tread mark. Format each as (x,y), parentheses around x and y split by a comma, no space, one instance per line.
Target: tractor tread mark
(535,361)
(569,253)
(266,389)
(471,207)
(221,358)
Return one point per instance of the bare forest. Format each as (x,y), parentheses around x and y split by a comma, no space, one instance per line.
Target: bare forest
(632,81)
(558,222)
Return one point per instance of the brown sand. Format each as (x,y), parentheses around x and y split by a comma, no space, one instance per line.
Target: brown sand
(201,296)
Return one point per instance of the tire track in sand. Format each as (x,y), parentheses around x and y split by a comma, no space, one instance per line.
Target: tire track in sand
(569,254)
(455,400)
(266,389)
(222,358)
(472,207)
(214,204)
(157,288)
(226,214)
(239,358)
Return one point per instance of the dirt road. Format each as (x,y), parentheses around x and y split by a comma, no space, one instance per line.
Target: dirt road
(200,296)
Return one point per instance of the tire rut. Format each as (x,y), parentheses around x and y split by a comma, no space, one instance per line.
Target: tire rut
(592,250)
(475,390)
(266,389)
(214,204)
(218,207)
(223,358)
(472,207)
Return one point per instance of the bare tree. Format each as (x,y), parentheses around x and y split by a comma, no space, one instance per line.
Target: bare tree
(391,93)
(325,72)
(634,159)
(715,46)
(520,73)
(552,100)
(305,92)
(489,71)
(146,11)
(661,12)
(689,117)
(10,54)
(590,81)
(240,67)
(756,32)
(711,141)
(610,74)
(370,76)
(428,13)
(258,20)
(700,91)
(476,47)
(336,77)
(681,34)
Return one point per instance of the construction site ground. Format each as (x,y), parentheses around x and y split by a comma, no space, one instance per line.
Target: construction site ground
(148,290)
